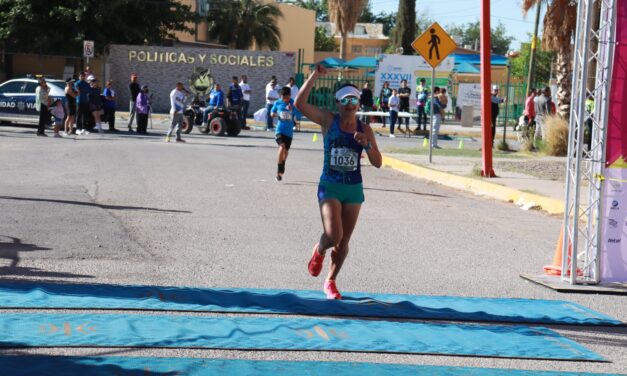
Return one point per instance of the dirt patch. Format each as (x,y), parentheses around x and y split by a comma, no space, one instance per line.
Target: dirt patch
(543,169)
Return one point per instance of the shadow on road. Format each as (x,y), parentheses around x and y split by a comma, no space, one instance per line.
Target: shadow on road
(11,249)
(370,189)
(102,206)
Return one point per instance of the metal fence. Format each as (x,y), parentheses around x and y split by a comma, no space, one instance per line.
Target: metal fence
(324,88)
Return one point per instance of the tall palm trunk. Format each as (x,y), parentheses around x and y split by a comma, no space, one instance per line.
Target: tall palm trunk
(563,76)
(343,39)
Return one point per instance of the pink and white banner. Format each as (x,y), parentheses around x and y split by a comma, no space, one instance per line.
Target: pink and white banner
(614,216)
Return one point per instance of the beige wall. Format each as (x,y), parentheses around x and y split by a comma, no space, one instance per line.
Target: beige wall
(297,29)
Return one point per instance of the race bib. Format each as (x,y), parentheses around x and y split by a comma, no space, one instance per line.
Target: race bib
(344,159)
(285,115)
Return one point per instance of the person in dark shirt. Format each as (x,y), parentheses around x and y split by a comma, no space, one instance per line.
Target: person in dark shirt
(404,93)
(134,89)
(384,98)
(82,100)
(235,98)
(367,101)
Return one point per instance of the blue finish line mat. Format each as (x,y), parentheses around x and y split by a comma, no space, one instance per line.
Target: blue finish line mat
(115,330)
(102,296)
(127,366)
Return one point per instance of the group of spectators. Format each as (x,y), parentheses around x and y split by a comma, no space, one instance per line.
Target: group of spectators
(86,107)
(398,100)
(538,105)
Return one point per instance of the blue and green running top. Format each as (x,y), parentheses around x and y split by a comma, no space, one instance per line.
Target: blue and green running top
(342,155)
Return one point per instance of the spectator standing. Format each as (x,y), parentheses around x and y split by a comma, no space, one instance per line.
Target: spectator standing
(496,100)
(42,104)
(443,102)
(58,112)
(271,96)
(421,87)
(142,107)
(589,115)
(110,105)
(437,117)
(95,103)
(542,107)
(530,111)
(134,90)
(246,103)
(294,92)
(422,109)
(82,100)
(177,104)
(394,105)
(404,93)
(367,101)
(70,103)
(384,98)
(235,98)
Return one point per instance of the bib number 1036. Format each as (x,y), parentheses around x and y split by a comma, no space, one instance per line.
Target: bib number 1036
(343,159)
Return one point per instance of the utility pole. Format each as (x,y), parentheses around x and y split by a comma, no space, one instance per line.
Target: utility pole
(532,56)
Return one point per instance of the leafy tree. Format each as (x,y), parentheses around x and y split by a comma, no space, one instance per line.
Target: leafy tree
(239,24)
(405,26)
(388,20)
(560,21)
(60,26)
(520,65)
(471,33)
(322,42)
(423,21)
(320,6)
(366,13)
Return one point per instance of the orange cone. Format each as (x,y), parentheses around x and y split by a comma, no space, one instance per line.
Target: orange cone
(556,267)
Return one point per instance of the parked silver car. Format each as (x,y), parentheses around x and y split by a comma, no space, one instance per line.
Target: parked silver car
(17,99)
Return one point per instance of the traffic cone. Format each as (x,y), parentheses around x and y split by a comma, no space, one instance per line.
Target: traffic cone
(461,144)
(425,143)
(556,267)
(315,137)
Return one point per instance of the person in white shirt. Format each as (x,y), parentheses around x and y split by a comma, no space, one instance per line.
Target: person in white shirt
(177,104)
(294,88)
(271,96)
(394,104)
(246,91)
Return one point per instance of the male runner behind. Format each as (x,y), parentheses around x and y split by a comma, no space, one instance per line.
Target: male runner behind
(283,109)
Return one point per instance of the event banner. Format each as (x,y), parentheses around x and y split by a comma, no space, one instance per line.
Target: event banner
(396,68)
(614,215)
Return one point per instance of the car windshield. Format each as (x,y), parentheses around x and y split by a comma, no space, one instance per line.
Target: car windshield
(59,84)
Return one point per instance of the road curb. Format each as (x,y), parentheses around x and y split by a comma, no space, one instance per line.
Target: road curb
(477,187)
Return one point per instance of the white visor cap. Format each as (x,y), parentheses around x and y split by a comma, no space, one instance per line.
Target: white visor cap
(347,91)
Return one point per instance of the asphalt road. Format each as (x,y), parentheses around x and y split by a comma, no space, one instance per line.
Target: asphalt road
(127,209)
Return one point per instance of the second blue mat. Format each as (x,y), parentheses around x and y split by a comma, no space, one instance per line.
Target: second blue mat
(115,330)
(101,296)
(107,366)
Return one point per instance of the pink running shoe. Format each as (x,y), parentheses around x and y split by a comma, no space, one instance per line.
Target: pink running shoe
(316,262)
(331,290)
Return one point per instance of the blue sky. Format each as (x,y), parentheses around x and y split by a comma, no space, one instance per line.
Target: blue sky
(464,11)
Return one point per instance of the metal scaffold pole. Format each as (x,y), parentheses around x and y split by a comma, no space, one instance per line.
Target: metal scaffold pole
(582,220)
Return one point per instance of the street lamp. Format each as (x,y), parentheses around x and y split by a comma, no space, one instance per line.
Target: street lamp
(510,55)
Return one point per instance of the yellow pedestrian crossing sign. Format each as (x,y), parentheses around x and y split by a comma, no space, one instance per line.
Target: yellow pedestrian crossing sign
(434,45)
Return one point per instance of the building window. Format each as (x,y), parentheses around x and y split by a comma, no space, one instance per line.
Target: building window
(373,50)
(360,30)
(356,49)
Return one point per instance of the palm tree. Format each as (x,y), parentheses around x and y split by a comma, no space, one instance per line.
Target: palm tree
(559,23)
(344,14)
(240,24)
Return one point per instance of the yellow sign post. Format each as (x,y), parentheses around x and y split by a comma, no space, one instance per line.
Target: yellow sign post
(434,45)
